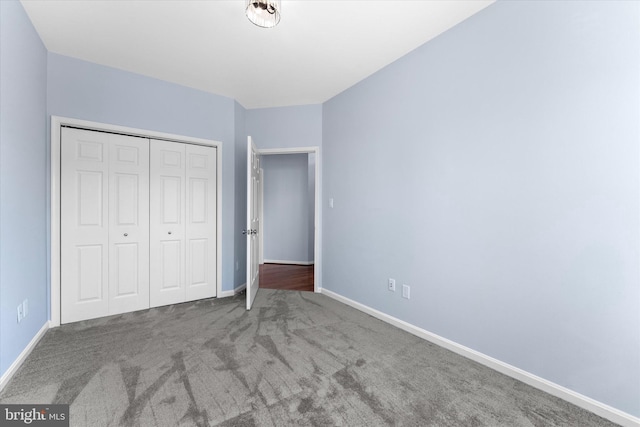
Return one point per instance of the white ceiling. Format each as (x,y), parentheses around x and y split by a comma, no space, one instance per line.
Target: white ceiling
(319,49)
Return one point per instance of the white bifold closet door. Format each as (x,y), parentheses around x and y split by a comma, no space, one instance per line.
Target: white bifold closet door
(104,224)
(183,222)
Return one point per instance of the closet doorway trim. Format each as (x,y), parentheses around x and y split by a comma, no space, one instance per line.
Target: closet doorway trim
(57,123)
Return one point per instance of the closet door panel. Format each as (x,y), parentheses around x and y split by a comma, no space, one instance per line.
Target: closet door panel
(138,223)
(168,250)
(84,225)
(201,222)
(128,224)
(170,265)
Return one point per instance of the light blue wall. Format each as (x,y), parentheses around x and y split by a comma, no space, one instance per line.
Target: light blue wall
(23,264)
(88,91)
(286,208)
(495,170)
(285,127)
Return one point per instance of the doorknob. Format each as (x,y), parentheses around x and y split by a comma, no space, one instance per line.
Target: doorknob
(245,232)
(169,232)
(126,234)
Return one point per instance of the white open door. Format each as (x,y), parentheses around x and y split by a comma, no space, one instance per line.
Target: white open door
(253,222)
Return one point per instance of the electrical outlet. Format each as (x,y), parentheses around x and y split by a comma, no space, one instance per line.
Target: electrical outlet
(406,291)
(20,314)
(25,308)
(392,285)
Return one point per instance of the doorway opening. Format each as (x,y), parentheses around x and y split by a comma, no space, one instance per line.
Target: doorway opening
(255,201)
(287,212)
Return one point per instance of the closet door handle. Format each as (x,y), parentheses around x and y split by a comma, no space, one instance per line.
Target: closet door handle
(126,234)
(169,232)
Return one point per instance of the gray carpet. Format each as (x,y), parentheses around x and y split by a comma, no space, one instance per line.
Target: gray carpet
(297,358)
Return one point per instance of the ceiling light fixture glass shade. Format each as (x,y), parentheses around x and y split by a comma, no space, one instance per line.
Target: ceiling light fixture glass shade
(263,13)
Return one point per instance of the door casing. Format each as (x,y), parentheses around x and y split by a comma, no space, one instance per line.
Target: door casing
(56,123)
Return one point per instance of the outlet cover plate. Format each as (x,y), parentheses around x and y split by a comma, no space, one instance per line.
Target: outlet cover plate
(406,290)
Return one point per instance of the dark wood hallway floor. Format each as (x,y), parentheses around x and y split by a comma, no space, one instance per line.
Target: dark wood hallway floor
(287,277)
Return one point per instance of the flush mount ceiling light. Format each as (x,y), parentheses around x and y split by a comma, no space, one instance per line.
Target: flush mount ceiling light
(264,13)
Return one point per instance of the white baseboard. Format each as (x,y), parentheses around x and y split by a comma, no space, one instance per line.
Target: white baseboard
(6,377)
(598,408)
(235,291)
(279,261)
